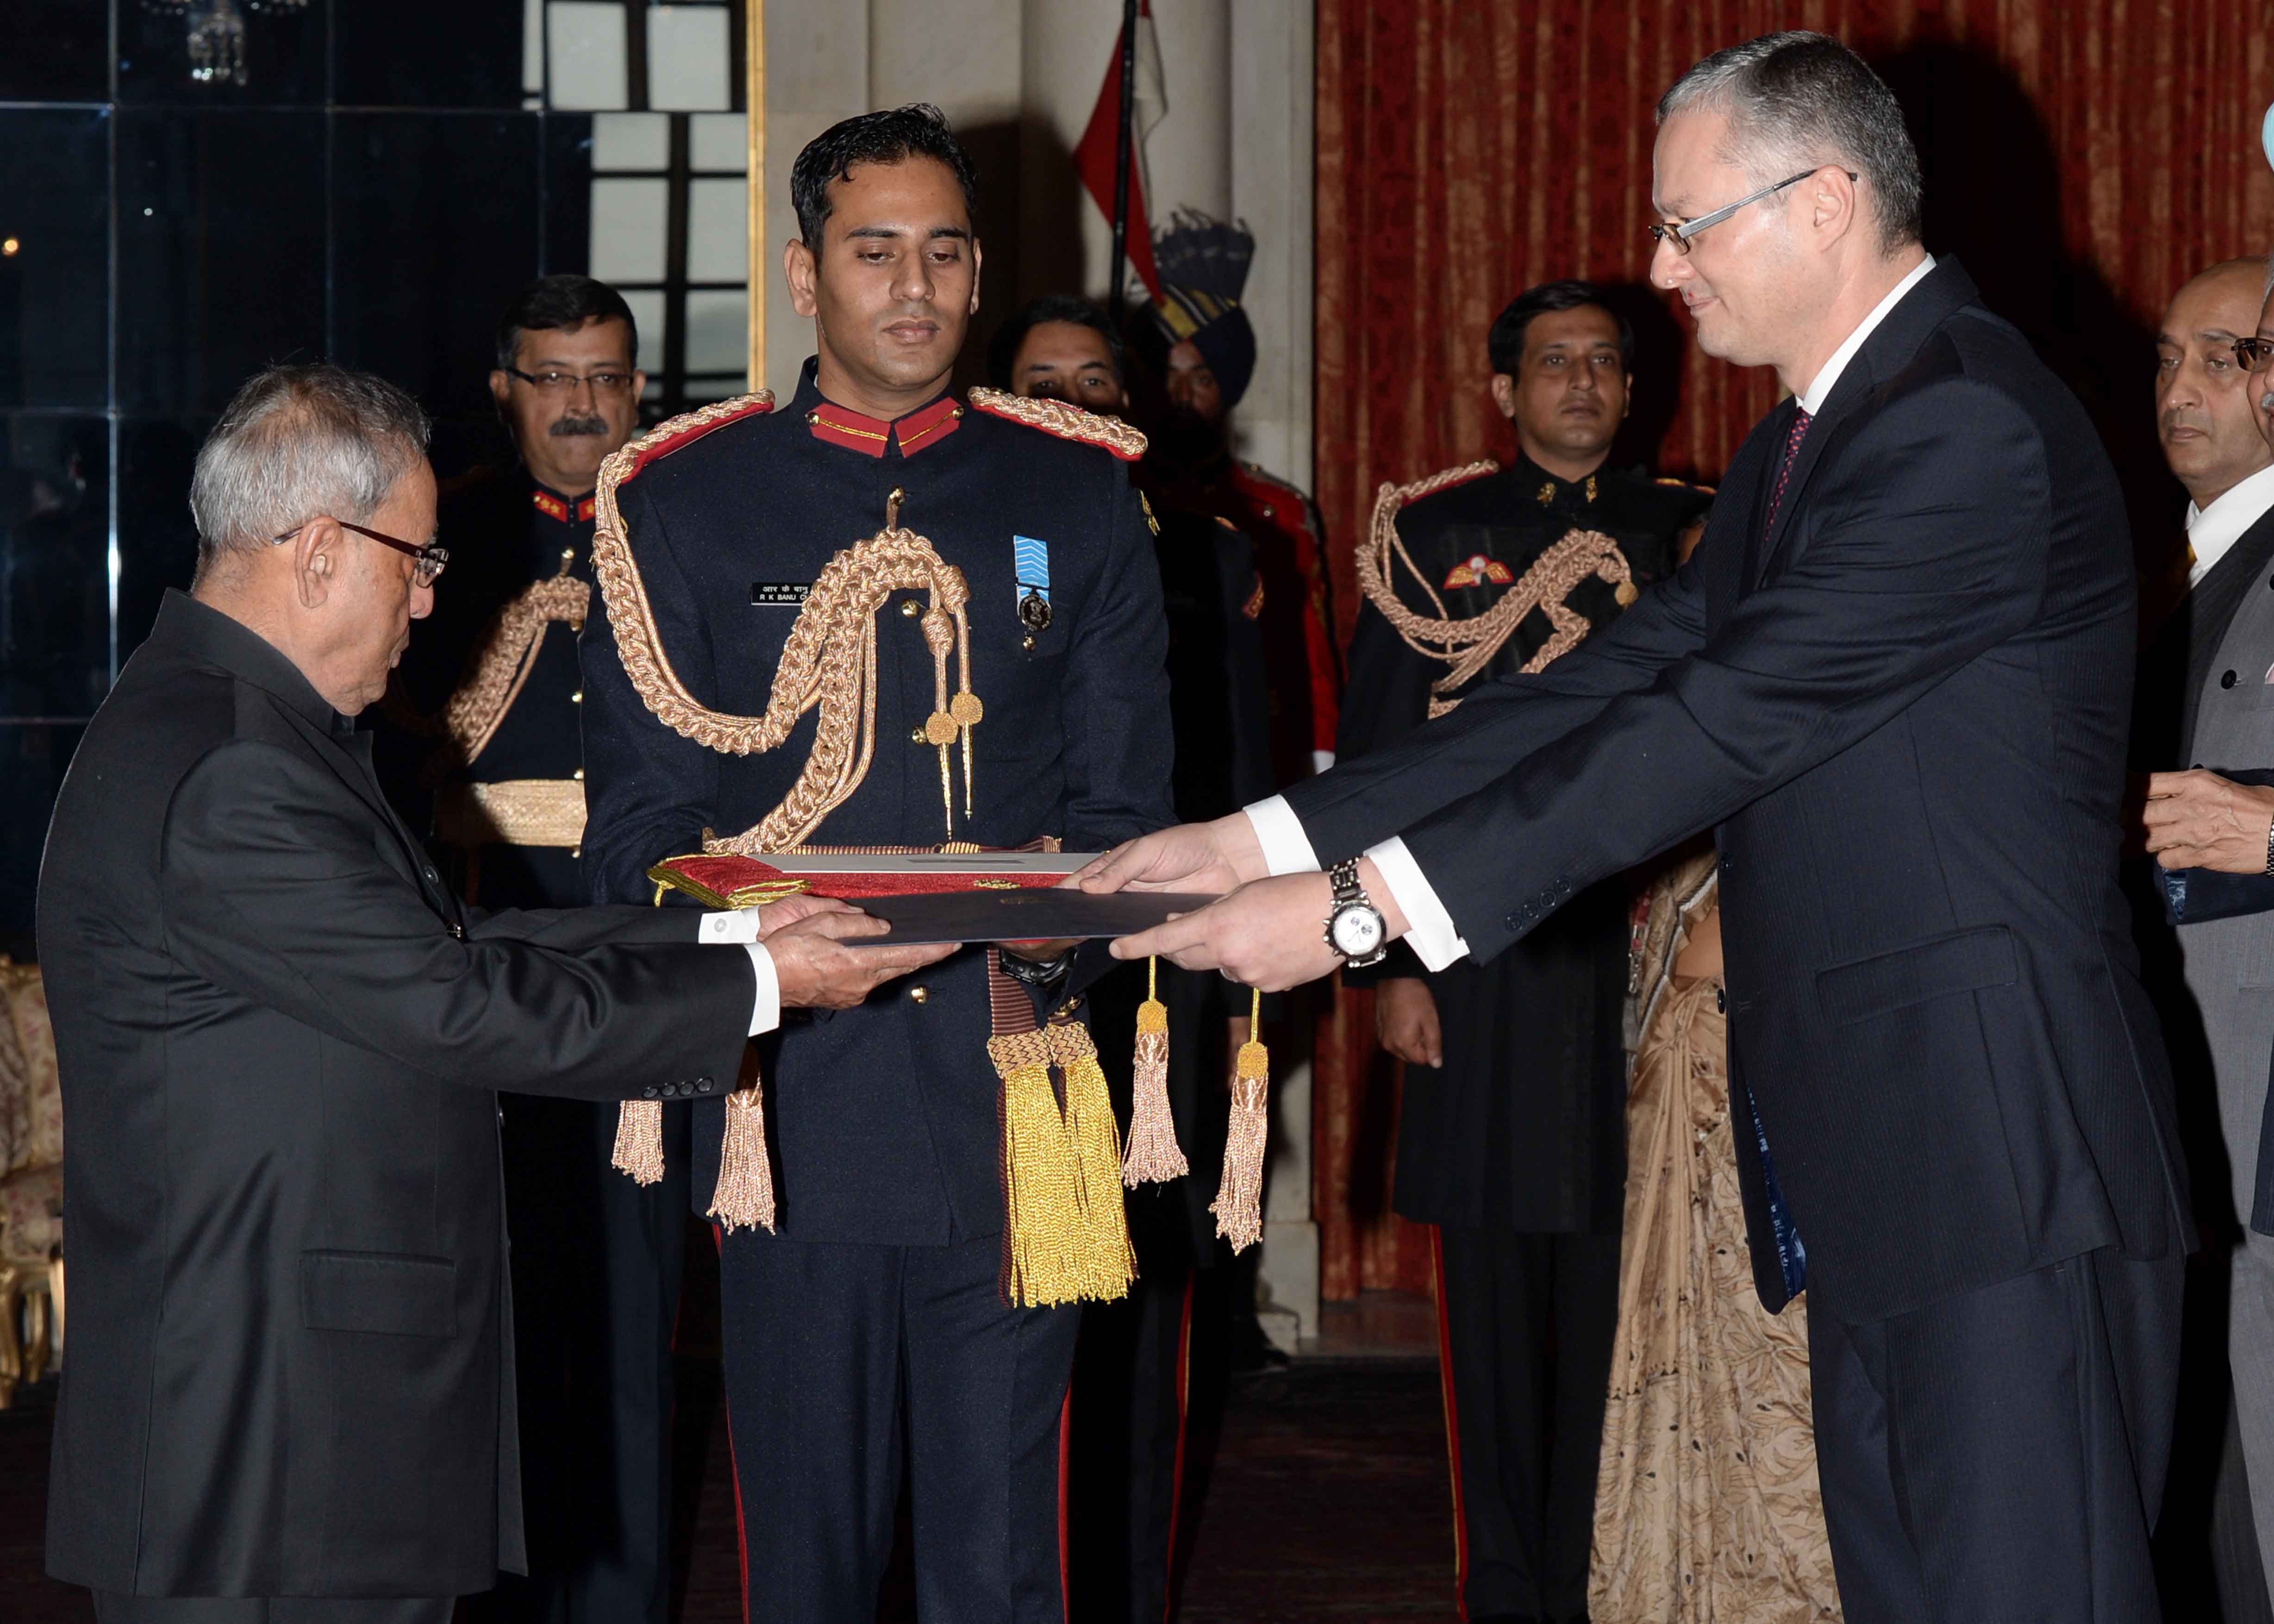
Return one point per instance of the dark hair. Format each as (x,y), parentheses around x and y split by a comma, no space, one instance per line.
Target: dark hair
(916,131)
(1504,344)
(1795,99)
(1003,350)
(564,301)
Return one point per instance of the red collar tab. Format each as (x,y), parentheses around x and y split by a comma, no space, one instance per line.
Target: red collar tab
(841,426)
(557,508)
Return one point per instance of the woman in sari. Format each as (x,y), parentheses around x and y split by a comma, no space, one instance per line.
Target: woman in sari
(1707,1509)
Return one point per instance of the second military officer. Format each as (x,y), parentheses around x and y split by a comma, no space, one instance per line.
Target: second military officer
(1511,1133)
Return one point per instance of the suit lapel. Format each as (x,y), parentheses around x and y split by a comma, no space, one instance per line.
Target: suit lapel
(1938,295)
(2209,609)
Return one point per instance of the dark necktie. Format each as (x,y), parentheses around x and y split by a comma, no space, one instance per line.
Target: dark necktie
(1799,421)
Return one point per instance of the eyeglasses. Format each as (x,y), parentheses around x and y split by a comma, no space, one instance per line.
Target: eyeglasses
(2255,354)
(431,559)
(1677,234)
(565,383)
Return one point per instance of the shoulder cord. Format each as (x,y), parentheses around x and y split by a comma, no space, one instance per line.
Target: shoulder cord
(829,661)
(1469,645)
(499,669)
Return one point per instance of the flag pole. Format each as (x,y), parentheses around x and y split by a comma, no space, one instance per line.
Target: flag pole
(1125,143)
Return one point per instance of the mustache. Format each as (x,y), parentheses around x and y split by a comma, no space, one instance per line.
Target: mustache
(566,426)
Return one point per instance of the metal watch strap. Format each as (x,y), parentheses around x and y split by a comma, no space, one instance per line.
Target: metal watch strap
(2270,850)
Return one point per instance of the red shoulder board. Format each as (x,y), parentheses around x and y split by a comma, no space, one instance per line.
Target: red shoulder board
(1066,421)
(689,426)
(1408,494)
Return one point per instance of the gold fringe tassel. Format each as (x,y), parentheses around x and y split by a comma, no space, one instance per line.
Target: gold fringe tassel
(745,1199)
(639,1140)
(1238,1204)
(1154,1156)
(1068,1237)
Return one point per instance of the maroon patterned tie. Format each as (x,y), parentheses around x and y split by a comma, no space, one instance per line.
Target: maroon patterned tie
(1799,421)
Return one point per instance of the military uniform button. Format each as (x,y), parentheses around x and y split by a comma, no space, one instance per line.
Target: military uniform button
(578,775)
(917,736)
(920,994)
(576,850)
(1027,644)
(911,608)
(568,555)
(576,698)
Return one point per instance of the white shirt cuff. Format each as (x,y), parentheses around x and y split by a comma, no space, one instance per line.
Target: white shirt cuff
(738,925)
(1286,848)
(765,1006)
(1430,930)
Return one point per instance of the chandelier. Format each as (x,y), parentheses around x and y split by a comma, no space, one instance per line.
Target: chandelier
(216,33)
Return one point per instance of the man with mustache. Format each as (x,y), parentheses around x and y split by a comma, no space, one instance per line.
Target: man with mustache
(1512,1137)
(483,755)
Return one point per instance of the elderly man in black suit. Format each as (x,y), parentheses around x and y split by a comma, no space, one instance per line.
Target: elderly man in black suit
(1896,677)
(279,1037)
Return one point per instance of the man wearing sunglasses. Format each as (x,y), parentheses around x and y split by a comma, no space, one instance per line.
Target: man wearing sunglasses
(280,1034)
(1895,679)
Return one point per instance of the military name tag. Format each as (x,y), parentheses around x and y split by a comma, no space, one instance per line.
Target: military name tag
(780,594)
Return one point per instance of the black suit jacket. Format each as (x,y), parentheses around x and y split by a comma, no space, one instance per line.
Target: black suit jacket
(1905,708)
(279,1035)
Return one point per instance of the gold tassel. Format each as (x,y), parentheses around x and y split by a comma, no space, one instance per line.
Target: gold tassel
(744,1198)
(1064,1242)
(1154,1156)
(639,1140)
(1238,1204)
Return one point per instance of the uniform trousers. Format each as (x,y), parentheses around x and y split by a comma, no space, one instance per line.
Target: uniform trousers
(845,1363)
(1527,1321)
(110,1607)
(1131,1384)
(596,1261)
(1998,1457)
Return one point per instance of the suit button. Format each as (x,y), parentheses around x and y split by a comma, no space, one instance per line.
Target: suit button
(1720,1001)
(2226,678)
(919,994)
(647,1093)
(431,880)
(703,1085)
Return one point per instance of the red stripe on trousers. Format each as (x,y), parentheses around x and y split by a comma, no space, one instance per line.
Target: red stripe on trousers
(1065,1415)
(733,1469)
(1177,1480)
(1452,1423)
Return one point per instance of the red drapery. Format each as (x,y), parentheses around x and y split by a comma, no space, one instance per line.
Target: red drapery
(2083,157)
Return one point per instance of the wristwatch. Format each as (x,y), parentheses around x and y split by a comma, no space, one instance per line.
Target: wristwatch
(1038,972)
(1354,929)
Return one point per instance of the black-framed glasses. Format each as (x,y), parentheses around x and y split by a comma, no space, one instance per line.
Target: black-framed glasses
(1676,233)
(2255,354)
(430,560)
(565,383)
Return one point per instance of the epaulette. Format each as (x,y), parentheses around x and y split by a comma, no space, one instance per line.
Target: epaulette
(1256,472)
(1444,480)
(1684,485)
(1067,422)
(673,433)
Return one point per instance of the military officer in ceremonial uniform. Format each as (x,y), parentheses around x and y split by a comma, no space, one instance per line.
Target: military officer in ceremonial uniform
(1134,1373)
(869,1332)
(1202,350)
(491,764)
(1512,1134)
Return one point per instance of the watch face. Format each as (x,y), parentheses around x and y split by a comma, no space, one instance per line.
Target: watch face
(1357,931)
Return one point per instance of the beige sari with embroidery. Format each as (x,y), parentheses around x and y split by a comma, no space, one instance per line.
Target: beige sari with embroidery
(1707,1509)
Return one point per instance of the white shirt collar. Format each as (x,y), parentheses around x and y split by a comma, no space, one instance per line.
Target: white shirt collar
(2213,530)
(1819,388)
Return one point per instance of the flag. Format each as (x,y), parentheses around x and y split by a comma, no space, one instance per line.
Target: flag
(1094,154)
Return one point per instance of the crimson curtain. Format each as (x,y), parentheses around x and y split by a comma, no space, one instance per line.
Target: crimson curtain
(2084,158)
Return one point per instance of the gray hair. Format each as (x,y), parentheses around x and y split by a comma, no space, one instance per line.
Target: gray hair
(1797,99)
(297,442)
